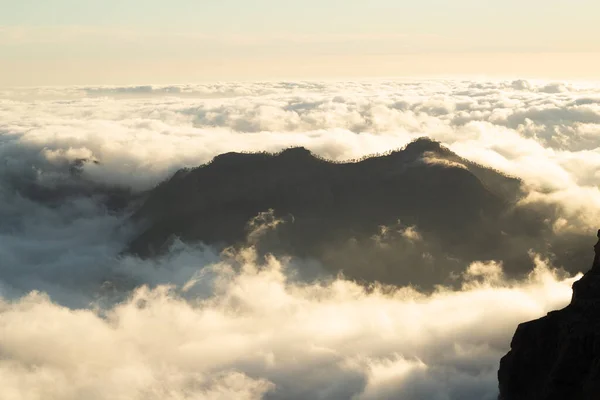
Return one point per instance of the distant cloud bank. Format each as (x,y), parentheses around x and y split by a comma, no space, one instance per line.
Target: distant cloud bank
(544,132)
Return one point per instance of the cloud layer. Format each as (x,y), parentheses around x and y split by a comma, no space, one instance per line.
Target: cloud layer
(255,333)
(547,133)
(78,321)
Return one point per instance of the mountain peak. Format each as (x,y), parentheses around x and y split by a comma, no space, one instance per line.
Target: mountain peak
(422,145)
(331,204)
(296,153)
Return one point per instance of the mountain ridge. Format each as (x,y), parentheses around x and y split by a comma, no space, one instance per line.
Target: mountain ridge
(463,212)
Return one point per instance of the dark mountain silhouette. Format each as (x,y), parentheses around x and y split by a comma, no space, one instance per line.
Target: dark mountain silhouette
(557,357)
(69,184)
(334,212)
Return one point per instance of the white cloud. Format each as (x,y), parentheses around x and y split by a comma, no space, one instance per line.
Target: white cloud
(196,324)
(255,333)
(141,135)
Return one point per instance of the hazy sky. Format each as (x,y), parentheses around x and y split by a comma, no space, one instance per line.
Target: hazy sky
(146,41)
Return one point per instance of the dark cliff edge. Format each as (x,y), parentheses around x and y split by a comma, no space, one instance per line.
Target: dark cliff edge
(334,212)
(557,357)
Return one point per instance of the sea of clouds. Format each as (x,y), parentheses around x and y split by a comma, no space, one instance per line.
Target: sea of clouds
(80,321)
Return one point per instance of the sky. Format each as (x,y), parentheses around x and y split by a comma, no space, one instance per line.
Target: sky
(62,42)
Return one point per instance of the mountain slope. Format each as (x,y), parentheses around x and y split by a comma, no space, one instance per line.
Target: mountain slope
(334,212)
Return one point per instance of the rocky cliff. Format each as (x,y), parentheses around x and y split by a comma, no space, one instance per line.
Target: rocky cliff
(557,357)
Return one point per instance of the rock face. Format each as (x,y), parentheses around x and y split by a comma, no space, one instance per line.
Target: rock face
(557,357)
